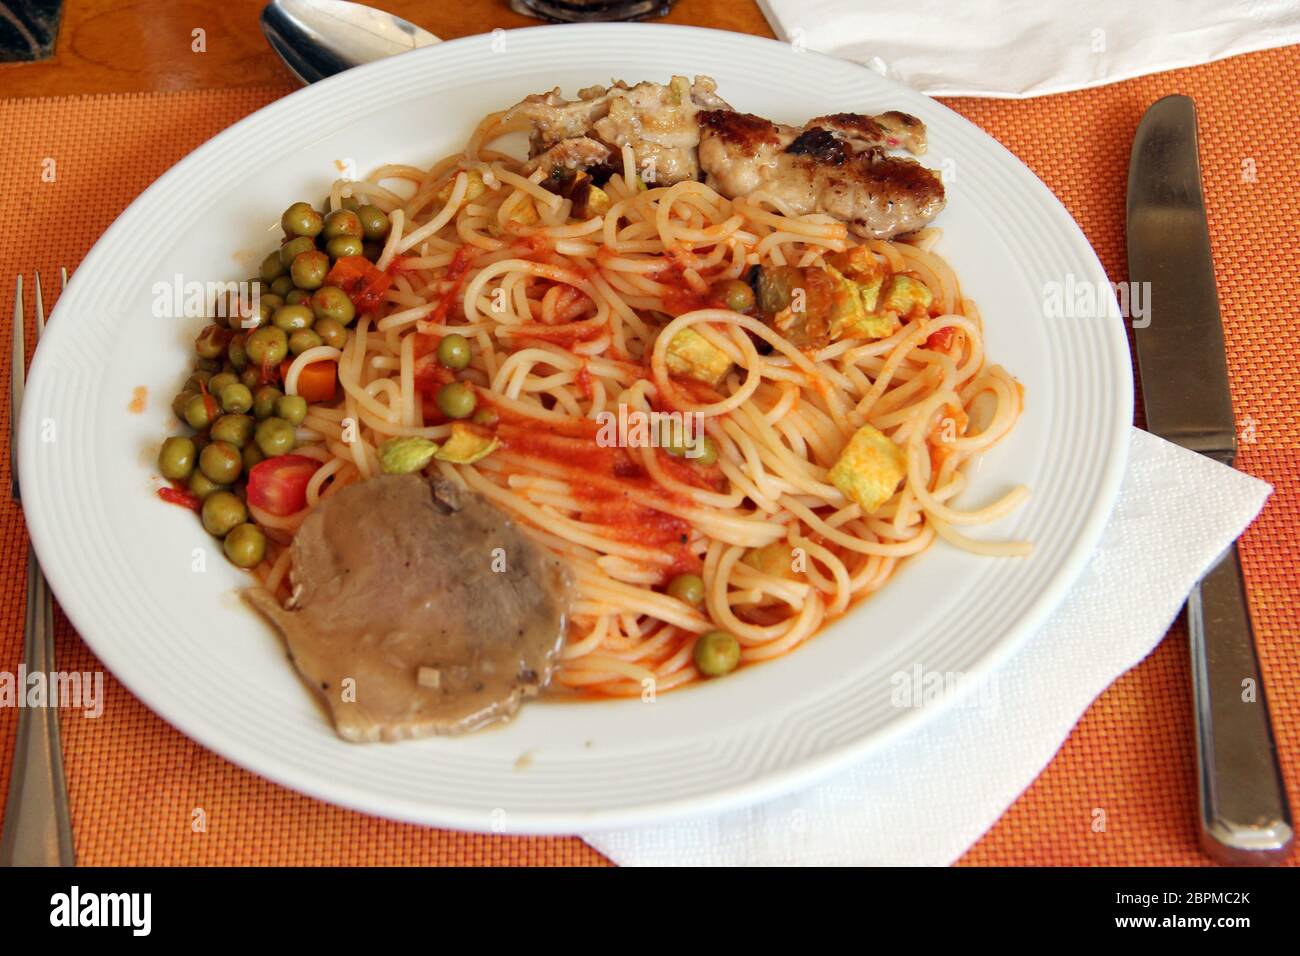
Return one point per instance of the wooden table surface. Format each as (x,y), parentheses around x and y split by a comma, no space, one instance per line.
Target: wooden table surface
(107,46)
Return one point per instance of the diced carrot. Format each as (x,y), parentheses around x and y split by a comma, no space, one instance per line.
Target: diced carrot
(316,381)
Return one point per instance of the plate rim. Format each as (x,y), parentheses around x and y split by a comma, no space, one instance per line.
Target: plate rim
(800,772)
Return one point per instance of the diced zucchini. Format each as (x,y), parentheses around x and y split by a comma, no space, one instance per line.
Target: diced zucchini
(869,469)
(466,445)
(474,188)
(857,263)
(400,456)
(692,355)
(854,304)
(906,295)
(869,292)
(774,289)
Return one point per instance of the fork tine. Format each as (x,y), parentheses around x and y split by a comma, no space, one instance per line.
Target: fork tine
(40,309)
(16,376)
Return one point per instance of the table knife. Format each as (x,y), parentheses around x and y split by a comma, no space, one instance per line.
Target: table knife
(1244,816)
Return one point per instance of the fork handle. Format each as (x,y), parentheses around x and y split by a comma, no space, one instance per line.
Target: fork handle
(37,826)
(1244,814)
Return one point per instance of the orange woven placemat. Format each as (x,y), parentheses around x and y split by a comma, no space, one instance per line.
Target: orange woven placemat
(135,782)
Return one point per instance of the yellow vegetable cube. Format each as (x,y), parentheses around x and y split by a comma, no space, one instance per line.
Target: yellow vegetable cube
(906,295)
(775,559)
(466,445)
(692,355)
(869,469)
(474,188)
(852,315)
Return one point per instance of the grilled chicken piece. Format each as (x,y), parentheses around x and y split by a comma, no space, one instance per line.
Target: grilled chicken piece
(656,120)
(835,165)
(571,155)
(427,597)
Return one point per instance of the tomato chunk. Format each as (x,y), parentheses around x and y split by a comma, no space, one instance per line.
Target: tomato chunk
(361,280)
(279,485)
(175,496)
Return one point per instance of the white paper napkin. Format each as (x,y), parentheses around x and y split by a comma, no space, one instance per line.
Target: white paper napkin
(924,799)
(1020,48)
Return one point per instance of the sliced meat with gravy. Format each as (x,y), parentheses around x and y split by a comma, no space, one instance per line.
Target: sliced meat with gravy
(429,599)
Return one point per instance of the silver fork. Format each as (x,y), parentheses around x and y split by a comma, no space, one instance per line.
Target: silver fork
(37,827)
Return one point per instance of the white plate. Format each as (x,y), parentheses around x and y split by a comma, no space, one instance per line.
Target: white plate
(126,567)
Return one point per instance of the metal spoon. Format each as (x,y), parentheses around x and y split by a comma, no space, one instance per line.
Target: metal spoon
(318,38)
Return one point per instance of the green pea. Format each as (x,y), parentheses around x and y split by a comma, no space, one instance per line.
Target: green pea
(198,412)
(298,297)
(197,378)
(486,416)
(221,462)
(717,653)
(292,408)
(290,318)
(250,377)
(331,302)
(374,223)
(457,400)
(264,400)
(245,545)
(236,398)
(252,455)
(211,342)
(220,381)
(201,485)
(309,269)
(294,248)
(179,402)
(272,267)
(265,309)
(282,286)
(737,295)
(341,246)
(302,340)
(453,351)
(222,511)
(275,437)
(211,366)
(342,222)
(267,345)
(331,332)
(688,588)
(708,452)
(272,301)
(176,458)
(233,429)
(301,220)
(236,354)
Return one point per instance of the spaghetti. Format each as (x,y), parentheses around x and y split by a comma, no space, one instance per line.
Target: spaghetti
(570,316)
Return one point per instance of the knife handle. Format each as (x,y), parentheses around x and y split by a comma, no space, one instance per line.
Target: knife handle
(1245,818)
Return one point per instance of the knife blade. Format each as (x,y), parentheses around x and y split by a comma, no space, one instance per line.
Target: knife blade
(1180,357)
(1181,360)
